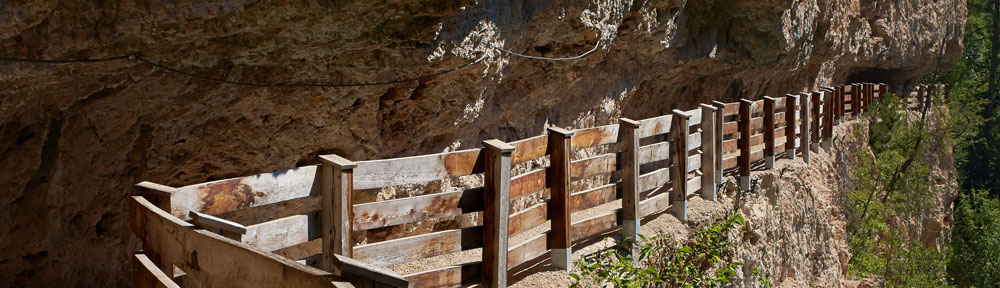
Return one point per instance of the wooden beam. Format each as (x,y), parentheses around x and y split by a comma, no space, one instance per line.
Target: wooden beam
(594,196)
(145,274)
(337,186)
(708,157)
(769,116)
(560,146)
(226,228)
(629,138)
(827,118)
(719,153)
(679,169)
(806,125)
(417,169)
(744,143)
(590,137)
(497,159)
(418,247)
(816,121)
(463,275)
(790,101)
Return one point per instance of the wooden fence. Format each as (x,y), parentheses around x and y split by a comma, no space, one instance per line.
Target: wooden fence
(294,227)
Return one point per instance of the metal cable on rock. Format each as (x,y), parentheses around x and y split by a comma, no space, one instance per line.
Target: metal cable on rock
(142,60)
(596,45)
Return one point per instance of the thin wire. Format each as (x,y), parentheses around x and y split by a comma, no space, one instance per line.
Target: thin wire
(220,80)
(596,45)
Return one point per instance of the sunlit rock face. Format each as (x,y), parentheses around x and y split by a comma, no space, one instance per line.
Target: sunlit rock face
(76,137)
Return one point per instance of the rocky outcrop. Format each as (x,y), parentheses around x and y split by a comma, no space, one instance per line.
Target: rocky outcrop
(76,137)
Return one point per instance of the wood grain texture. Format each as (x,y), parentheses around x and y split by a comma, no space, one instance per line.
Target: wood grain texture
(145,274)
(529,182)
(215,260)
(655,126)
(529,149)
(590,137)
(593,166)
(452,276)
(560,206)
(594,196)
(418,247)
(418,208)
(226,195)
(769,117)
(417,169)
(497,212)
(790,112)
(530,249)
(658,151)
(745,134)
(284,232)
(629,132)
(527,219)
(595,225)
(679,164)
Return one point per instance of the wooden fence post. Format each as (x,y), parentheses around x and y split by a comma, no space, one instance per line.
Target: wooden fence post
(769,132)
(496,198)
(743,161)
(679,169)
(816,121)
(790,101)
(708,153)
(560,145)
(719,119)
(158,195)
(628,132)
(337,183)
(804,110)
(827,118)
(839,109)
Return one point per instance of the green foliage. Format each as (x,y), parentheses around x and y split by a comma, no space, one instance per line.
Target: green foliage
(976,241)
(892,189)
(705,261)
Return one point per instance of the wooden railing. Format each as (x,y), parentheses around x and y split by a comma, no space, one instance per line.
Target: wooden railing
(294,227)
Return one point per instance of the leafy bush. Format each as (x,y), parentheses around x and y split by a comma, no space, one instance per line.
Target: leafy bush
(706,261)
(975,242)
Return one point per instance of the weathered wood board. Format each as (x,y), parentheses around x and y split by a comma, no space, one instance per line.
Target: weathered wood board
(419,247)
(221,196)
(417,169)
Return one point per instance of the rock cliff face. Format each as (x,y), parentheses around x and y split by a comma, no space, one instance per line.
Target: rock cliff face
(76,137)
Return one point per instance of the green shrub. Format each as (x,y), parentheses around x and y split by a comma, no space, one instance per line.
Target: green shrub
(705,261)
(975,243)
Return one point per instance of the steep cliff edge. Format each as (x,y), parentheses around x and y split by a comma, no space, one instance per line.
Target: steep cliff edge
(76,137)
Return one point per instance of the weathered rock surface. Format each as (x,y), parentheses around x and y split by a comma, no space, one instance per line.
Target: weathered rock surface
(76,137)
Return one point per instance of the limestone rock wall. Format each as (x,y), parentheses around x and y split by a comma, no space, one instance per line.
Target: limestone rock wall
(74,138)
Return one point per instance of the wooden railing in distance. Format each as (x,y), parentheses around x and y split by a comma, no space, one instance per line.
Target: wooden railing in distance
(284,223)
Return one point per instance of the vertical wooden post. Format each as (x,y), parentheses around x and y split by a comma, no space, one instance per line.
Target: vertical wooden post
(816,121)
(159,195)
(496,198)
(628,133)
(790,101)
(337,183)
(883,89)
(719,119)
(678,171)
(769,132)
(841,105)
(708,153)
(743,161)
(560,145)
(804,110)
(827,118)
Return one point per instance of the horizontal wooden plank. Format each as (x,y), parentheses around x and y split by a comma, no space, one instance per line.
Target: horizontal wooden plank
(756,140)
(658,151)
(730,127)
(756,123)
(593,166)
(594,225)
(756,155)
(654,204)
(216,224)
(534,247)
(694,185)
(654,179)
(694,162)
(416,169)
(147,275)
(529,149)
(695,117)
(757,107)
(452,276)
(694,141)
(731,109)
(728,163)
(418,208)
(222,262)
(590,137)
(280,233)
(655,126)
(594,197)
(412,248)
(731,146)
(527,219)
(528,182)
(263,213)
(301,250)
(221,196)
